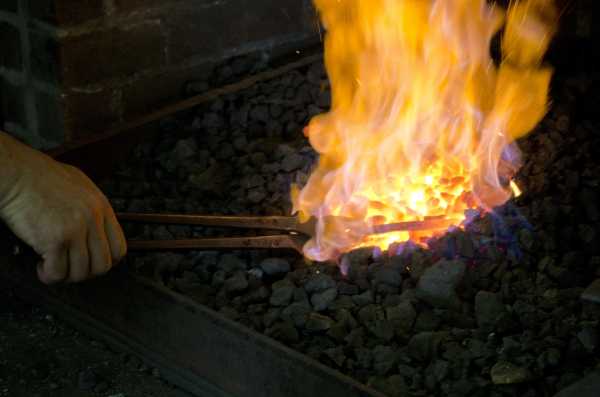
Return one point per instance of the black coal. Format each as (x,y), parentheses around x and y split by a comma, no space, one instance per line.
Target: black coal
(491,310)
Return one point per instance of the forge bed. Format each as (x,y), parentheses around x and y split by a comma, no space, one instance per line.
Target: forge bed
(493,310)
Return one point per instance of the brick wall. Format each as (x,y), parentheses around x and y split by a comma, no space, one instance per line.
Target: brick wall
(70,68)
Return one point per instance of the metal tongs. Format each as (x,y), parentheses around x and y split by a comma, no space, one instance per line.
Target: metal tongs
(294,232)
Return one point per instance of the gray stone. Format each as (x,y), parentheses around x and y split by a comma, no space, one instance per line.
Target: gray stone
(185,149)
(218,278)
(292,162)
(382,329)
(505,373)
(384,359)
(319,282)
(402,317)
(373,318)
(358,257)
(336,355)
(322,300)
(388,275)
(284,331)
(342,302)
(364,357)
(347,289)
(256,273)
(87,380)
(271,316)
(586,387)
(488,309)
(282,294)
(438,284)
(364,299)
(356,337)
(297,312)
(424,345)
(338,332)
(236,283)
(253,181)
(231,263)
(316,322)
(257,195)
(260,113)
(275,266)
(261,294)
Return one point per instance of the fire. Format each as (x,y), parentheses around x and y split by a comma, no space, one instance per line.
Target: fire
(423,122)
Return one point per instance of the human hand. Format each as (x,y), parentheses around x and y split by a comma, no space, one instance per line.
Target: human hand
(61,214)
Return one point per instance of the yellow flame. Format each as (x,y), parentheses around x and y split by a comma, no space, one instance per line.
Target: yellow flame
(422,121)
(515,189)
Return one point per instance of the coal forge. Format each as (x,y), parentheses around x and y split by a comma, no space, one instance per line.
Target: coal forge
(492,309)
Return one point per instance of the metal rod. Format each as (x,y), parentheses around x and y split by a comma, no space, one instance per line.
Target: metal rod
(294,242)
(286,223)
(414,226)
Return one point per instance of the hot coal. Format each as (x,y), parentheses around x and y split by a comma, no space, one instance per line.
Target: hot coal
(492,310)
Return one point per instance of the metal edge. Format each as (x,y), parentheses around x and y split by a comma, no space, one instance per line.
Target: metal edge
(264,367)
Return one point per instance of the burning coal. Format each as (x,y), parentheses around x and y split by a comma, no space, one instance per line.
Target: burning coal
(423,122)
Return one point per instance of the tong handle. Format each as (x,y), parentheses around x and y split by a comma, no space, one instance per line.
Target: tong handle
(295,242)
(285,223)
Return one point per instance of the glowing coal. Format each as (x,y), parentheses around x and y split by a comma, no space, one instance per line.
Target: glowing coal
(423,123)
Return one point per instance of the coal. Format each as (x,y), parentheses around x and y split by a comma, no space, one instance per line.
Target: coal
(438,284)
(319,282)
(275,266)
(488,309)
(230,263)
(424,346)
(283,292)
(402,317)
(321,300)
(236,283)
(492,309)
(586,387)
(505,373)
(317,322)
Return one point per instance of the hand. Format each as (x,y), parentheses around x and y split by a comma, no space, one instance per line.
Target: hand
(62,215)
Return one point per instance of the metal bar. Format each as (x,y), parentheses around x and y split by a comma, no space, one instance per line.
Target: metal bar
(283,241)
(413,226)
(194,347)
(286,223)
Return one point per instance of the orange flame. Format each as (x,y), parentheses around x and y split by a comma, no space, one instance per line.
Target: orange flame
(422,121)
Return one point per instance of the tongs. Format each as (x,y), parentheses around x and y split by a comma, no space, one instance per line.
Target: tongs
(294,232)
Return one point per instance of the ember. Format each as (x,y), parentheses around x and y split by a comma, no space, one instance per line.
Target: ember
(422,123)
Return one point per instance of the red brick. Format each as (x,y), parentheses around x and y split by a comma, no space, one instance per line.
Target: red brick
(113,53)
(284,17)
(209,31)
(66,12)
(150,93)
(87,113)
(202,31)
(133,5)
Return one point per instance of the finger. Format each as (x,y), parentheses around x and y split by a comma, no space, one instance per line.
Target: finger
(115,236)
(99,251)
(79,260)
(55,266)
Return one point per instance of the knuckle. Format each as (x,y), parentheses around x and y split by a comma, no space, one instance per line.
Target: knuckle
(52,277)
